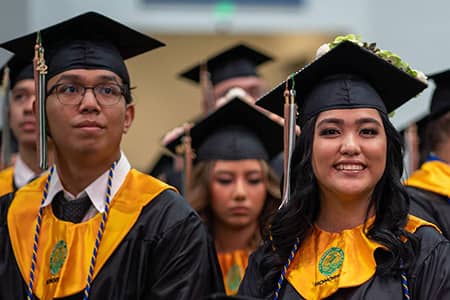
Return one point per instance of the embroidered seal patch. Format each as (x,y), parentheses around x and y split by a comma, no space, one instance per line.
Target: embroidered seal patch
(234,278)
(331,261)
(58,257)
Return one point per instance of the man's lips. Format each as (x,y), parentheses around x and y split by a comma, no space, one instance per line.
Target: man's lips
(28,125)
(88,124)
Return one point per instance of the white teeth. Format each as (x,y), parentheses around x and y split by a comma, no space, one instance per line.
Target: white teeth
(348,167)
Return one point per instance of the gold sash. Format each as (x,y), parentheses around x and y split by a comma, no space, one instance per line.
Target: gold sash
(233,265)
(6,181)
(328,261)
(65,248)
(432,176)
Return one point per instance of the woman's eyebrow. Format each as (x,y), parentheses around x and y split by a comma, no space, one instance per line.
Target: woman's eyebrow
(367,120)
(331,120)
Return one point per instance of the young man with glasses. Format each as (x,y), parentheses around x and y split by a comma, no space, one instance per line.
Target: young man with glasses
(95,228)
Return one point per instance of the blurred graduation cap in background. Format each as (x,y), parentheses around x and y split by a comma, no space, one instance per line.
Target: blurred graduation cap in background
(235,131)
(238,61)
(416,138)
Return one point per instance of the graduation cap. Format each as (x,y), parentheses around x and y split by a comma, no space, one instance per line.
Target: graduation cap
(164,168)
(87,41)
(19,69)
(238,61)
(235,131)
(162,164)
(440,101)
(440,104)
(347,76)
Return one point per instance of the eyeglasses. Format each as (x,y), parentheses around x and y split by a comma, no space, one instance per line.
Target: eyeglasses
(73,94)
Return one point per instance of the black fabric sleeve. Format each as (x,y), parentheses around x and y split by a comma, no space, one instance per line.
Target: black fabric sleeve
(182,265)
(431,207)
(181,261)
(253,279)
(431,279)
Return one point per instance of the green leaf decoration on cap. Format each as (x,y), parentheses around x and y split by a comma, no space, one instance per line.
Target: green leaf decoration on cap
(387,55)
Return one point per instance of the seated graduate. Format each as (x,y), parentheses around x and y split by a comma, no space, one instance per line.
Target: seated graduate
(231,185)
(429,187)
(20,126)
(345,232)
(95,228)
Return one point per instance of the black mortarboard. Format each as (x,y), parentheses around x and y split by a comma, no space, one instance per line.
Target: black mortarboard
(238,61)
(19,69)
(87,41)
(440,101)
(235,131)
(164,168)
(347,76)
(162,164)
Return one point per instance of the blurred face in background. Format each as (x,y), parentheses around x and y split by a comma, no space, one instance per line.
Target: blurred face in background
(238,192)
(252,85)
(21,118)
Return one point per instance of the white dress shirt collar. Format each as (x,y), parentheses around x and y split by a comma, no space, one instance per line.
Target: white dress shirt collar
(97,189)
(22,173)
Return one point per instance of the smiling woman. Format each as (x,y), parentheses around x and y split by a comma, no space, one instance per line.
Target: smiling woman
(345,232)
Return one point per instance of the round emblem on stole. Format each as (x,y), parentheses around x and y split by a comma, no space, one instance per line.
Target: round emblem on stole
(234,278)
(58,257)
(331,261)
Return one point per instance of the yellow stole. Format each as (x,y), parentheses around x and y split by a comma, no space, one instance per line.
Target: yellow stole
(233,265)
(6,181)
(65,248)
(432,176)
(328,261)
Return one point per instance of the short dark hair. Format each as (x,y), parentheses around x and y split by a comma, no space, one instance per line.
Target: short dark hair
(437,132)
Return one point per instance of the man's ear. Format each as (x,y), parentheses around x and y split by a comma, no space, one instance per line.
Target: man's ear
(129,117)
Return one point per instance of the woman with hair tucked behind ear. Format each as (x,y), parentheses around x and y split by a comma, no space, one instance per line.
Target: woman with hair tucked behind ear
(345,232)
(232,186)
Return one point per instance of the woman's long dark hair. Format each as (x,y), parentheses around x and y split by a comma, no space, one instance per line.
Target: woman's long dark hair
(390,202)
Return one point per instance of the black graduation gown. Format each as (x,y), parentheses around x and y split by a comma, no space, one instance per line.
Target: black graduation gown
(430,278)
(167,254)
(431,207)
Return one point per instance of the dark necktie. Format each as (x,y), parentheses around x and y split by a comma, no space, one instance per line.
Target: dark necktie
(70,210)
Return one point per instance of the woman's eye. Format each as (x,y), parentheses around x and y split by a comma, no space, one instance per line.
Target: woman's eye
(224,181)
(369,131)
(329,131)
(254,181)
